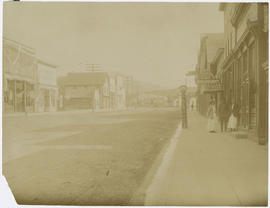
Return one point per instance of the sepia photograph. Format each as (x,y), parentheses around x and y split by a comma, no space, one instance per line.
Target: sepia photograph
(135,103)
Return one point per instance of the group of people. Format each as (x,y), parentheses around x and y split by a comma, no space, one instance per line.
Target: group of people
(227,115)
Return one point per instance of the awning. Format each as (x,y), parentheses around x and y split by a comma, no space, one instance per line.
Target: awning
(205,75)
(18,77)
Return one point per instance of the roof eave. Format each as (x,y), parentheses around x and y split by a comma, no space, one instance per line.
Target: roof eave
(221,7)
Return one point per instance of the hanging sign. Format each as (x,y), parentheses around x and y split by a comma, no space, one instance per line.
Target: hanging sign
(210,85)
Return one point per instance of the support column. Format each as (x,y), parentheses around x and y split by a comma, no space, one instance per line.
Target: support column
(261,88)
(24,94)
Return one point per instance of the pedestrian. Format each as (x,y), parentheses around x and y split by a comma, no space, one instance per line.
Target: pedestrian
(232,124)
(223,113)
(192,105)
(212,117)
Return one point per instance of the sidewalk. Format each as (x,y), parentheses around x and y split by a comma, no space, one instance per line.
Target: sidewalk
(212,169)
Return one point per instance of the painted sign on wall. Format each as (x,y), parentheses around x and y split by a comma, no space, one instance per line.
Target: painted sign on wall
(46,74)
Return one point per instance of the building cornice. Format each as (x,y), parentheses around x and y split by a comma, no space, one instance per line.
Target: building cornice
(46,63)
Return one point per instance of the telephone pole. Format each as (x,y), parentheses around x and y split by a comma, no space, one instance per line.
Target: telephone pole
(92,67)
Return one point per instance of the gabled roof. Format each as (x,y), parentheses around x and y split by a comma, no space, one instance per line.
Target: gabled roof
(83,78)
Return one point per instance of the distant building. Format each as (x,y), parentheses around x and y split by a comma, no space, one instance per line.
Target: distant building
(85,90)
(152,100)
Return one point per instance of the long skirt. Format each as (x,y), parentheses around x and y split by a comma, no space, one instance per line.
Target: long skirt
(212,125)
(232,124)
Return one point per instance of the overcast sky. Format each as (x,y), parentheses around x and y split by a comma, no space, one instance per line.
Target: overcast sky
(155,42)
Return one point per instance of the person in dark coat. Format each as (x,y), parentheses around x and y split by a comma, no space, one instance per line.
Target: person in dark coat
(223,112)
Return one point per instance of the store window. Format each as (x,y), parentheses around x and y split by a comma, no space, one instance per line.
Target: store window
(245,62)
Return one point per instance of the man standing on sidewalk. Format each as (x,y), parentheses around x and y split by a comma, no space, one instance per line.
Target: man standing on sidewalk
(223,112)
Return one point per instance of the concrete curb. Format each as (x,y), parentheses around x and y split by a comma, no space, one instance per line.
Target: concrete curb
(139,197)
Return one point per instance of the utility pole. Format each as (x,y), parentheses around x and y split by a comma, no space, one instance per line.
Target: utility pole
(92,67)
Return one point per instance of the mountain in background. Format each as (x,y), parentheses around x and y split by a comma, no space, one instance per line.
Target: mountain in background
(173,93)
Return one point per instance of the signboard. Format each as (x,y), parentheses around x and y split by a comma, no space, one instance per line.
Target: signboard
(210,85)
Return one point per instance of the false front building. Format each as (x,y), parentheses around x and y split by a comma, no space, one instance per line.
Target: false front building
(207,82)
(85,90)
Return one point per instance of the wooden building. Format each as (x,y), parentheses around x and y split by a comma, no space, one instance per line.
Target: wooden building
(85,90)
(208,84)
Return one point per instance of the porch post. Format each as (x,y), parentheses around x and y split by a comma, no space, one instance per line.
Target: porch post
(24,87)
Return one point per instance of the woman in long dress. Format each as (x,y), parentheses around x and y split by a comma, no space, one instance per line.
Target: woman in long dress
(212,118)
(232,124)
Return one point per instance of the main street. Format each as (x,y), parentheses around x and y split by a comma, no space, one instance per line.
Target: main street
(82,157)
(130,158)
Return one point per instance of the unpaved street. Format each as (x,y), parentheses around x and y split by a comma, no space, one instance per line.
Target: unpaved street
(83,158)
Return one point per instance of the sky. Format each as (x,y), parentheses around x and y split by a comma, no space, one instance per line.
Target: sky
(155,42)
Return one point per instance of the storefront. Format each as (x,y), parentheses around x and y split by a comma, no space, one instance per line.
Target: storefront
(18,96)
(245,80)
(19,77)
